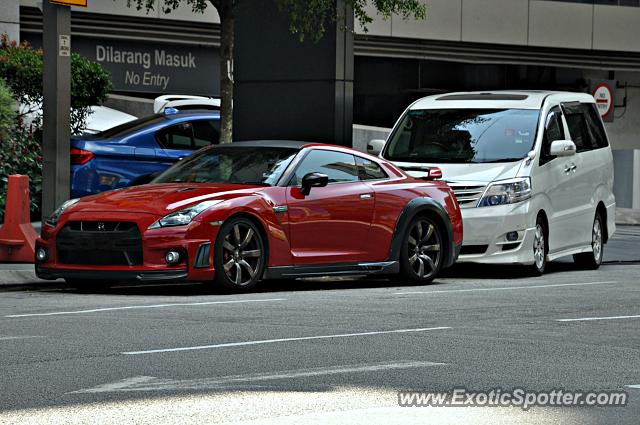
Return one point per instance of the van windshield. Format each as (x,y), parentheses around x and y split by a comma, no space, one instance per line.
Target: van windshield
(463,135)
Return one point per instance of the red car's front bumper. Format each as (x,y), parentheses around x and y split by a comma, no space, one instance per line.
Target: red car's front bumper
(104,254)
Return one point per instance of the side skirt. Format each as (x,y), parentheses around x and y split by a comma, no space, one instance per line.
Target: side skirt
(385,267)
(571,251)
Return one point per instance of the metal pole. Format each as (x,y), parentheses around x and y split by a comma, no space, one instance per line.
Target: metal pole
(57,102)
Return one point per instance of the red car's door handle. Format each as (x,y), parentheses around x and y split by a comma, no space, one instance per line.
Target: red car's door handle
(366,196)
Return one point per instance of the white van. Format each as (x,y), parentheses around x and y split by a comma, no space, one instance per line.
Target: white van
(532,171)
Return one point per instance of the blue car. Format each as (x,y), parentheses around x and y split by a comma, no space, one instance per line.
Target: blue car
(135,152)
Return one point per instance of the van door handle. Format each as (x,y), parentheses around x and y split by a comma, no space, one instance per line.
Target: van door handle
(570,168)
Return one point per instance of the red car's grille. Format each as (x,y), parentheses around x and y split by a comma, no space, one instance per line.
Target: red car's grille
(99,243)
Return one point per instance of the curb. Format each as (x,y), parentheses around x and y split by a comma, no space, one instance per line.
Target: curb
(627,216)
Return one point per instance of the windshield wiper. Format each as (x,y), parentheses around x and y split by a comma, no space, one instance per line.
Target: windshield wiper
(502,160)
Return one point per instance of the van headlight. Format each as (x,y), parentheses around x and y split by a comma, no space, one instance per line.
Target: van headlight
(184,216)
(506,192)
(53,218)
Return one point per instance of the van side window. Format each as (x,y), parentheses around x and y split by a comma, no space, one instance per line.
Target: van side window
(578,129)
(553,131)
(594,123)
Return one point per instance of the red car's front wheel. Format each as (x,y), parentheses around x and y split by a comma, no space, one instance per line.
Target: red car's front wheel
(421,255)
(239,255)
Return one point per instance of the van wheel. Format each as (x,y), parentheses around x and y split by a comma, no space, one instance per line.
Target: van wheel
(592,260)
(539,248)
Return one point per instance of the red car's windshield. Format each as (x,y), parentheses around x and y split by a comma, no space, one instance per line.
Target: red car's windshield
(231,165)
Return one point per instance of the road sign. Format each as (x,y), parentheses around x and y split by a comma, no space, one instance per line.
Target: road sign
(64,45)
(79,3)
(603,93)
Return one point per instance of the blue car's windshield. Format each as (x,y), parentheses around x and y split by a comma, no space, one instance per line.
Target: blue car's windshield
(260,165)
(463,135)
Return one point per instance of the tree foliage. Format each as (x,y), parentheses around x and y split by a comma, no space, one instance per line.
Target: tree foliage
(308,18)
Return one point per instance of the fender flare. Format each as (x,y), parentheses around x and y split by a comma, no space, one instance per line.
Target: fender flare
(409,212)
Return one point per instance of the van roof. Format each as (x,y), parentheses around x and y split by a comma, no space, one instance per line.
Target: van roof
(525,99)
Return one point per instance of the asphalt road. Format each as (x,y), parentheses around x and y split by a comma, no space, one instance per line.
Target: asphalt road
(322,351)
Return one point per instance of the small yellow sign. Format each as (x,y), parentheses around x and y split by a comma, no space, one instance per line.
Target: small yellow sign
(79,3)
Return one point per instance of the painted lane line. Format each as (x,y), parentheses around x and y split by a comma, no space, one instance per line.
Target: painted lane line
(589,319)
(135,307)
(272,341)
(506,288)
(11,338)
(149,383)
(635,387)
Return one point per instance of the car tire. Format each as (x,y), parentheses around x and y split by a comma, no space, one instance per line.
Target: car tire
(540,248)
(239,255)
(592,260)
(422,252)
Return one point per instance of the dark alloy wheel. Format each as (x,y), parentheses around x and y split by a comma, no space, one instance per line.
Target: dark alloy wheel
(592,260)
(540,248)
(240,254)
(422,251)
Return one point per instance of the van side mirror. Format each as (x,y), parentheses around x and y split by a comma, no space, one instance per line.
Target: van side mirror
(562,148)
(375,146)
(313,180)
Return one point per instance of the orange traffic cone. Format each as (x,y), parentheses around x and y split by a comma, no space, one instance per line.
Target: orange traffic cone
(17,235)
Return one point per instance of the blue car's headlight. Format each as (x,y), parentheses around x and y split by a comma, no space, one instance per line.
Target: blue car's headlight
(184,216)
(53,218)
(506,192)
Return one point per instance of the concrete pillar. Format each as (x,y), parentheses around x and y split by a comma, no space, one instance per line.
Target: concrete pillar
(285,89)
(10,18)
(57,101)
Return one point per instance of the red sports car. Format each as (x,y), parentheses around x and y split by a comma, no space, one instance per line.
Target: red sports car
(236,214)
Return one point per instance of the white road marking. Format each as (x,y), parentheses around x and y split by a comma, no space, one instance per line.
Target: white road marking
(506,288)
(271,341)
(635,387)
(10,338)
(149,383)
(588,319)
(134,307)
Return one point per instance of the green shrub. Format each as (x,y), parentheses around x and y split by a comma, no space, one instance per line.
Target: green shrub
(21,70)
(21,67)
(19,151)
(7,111)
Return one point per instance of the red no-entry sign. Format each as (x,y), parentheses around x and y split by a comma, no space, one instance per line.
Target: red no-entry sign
(603,94)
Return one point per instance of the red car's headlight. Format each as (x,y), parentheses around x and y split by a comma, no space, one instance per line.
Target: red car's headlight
(184,216)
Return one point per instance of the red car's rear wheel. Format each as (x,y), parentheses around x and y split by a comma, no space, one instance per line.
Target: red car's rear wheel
(421,256)
(239,255)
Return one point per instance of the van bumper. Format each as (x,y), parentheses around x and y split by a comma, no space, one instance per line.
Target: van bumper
(485,234)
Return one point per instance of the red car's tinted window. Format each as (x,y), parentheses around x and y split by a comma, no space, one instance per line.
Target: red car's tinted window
(339,166)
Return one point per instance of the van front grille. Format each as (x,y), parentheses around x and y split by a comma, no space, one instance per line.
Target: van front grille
(467,194)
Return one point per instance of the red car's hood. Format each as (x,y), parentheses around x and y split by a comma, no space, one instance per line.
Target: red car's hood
(160,199)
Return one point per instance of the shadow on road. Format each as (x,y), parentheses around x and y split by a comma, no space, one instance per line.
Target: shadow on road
(458,271)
